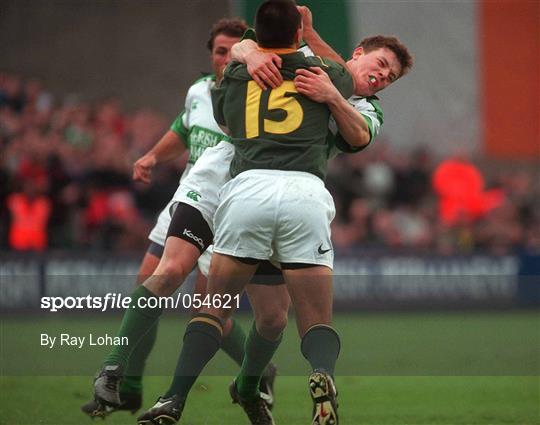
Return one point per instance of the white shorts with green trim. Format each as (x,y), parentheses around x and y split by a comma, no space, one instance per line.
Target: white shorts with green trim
(283,215)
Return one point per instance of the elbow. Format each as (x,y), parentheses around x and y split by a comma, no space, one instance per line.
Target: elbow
(360,140)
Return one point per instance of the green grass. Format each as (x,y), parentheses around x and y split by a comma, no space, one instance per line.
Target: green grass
(429,368)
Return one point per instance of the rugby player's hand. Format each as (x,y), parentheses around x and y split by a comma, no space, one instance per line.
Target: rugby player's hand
(142,169)
(307,17)
(315,84)
(264,68)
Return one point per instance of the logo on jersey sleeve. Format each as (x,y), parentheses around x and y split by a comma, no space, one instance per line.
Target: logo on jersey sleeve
(194,195)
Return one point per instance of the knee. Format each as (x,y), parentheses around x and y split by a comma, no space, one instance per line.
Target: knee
(169,275)
(172,269)
(272,325)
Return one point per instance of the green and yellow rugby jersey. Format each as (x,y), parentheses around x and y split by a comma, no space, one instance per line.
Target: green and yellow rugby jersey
(277,129)
(196,124)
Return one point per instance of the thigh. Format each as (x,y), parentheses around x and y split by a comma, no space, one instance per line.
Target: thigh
(179,258)
(188,224)
(311,295)
(227,278)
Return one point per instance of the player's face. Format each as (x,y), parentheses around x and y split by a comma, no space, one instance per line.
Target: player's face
(221,53)
(373,71)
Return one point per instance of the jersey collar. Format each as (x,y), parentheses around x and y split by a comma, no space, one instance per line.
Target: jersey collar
(279,51)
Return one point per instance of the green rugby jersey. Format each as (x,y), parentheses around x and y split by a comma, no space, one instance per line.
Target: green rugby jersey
(279,128)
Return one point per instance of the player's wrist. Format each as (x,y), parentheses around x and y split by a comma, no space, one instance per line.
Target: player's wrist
(150,159)
(334,98)
(310,36)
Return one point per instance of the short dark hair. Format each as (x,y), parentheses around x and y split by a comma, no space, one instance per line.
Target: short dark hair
(393,44)
(231,27)
(276,23)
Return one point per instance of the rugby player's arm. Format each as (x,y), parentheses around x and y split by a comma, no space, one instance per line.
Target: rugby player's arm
(317,85)
(170,146)
(312,38)
(351,124)
(263,67)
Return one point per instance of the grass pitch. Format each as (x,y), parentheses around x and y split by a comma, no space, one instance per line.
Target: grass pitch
(425,368)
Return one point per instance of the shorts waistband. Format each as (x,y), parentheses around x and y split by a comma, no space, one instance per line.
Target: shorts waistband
(281,174)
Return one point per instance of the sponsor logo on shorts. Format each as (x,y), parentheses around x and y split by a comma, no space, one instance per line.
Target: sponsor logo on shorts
(190,235)
(323,251)
(193,195)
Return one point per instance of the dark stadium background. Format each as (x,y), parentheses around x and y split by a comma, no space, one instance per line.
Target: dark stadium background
(437,298)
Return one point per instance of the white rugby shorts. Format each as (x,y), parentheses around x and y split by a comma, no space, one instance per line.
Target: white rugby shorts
(283,215)
(201,187)
(159,233)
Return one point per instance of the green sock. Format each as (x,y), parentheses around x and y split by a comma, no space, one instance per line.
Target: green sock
(320,346)
(135,324)
(132,382)
(233,343)
(259,352)
(201,342)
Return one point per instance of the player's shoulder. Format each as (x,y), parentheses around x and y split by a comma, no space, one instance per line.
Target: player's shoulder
(204,81)
(322,62)
(200,86)
(236,71)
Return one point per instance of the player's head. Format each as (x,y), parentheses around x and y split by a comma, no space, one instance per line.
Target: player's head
(278,24)
(223,35)
(377,62)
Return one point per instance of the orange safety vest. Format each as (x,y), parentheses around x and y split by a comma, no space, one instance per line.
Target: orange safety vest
(29,219)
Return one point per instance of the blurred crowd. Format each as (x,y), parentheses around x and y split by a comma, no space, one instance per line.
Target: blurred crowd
(65,170)
(403,201)
(65,183)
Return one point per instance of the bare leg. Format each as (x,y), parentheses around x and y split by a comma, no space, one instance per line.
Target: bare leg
(311,294)
(179,259)
(204,332)
(270,307)
(148,266)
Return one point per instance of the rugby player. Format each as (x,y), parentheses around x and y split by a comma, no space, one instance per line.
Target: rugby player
(194,129)
(376,63)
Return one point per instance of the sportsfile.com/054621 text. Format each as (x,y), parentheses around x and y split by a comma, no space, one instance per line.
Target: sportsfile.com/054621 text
(114,301)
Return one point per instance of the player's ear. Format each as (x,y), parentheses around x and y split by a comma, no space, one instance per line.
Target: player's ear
(359,51)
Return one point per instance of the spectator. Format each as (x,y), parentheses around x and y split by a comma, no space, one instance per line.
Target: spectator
(70,164)
(30,210)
